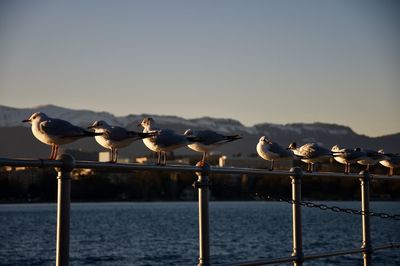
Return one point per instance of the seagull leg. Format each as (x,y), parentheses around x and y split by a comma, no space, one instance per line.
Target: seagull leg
(52,152)
(367,168)
(390,171)
(159,158)
(203,159)
(272,165)
(164,158)
(55,152)
(115,155)
(111,155)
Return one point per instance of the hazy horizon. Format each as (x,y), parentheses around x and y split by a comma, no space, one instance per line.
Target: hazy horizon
(271,61)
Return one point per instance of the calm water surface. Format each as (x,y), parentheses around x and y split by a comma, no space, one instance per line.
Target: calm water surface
(167,233)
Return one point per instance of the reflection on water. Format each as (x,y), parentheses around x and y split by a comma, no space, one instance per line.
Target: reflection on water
(167,233)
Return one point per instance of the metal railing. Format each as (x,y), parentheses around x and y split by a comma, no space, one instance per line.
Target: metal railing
(66,163)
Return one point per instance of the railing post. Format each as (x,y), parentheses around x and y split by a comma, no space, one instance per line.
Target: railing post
(63,209)
(202,185)
(296,214)
(366,230)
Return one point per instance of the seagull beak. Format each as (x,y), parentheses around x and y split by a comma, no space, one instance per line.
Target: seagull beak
(26,121)
(139,125)
(90,127)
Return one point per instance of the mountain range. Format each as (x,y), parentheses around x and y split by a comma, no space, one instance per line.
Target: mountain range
(16,139)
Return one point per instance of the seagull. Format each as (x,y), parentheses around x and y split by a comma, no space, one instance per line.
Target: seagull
(165,141)
(55,132)
(372,157)
(208,140)
(310,153)
(272,151)
(348,156)
(114,137)
(391,161)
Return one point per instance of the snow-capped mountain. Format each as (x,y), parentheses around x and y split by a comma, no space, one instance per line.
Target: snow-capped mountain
(12,117)
(16,140)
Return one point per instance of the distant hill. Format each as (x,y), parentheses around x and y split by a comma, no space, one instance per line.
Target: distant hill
(16,139)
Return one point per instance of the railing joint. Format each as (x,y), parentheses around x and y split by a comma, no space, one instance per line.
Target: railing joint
(296,173)
(365,176)
(68,164)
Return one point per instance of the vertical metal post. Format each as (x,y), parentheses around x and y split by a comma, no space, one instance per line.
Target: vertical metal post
(63,209)
(366,230)
(202,185)
(296,214)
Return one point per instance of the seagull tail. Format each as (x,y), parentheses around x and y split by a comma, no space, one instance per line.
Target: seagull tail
(193,139)
(147,135)
(233,137)
(91,133)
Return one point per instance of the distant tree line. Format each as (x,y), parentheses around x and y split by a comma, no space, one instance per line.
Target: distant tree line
(40,185)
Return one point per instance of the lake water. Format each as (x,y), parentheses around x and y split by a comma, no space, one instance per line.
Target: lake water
(167,233)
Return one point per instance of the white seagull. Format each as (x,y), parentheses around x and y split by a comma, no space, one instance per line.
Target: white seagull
(165,141)
(310,153)
(208,140)
(114,137)
(348,156)
(272,151)
(372,157)
(391,161)
(55,132)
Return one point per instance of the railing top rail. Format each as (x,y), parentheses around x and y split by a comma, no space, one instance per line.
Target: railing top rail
(173,168)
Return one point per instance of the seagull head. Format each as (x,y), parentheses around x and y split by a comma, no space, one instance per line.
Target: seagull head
(188,132)
(335,148)
(263,140)
(146,123)
(36,118)
(292,146)
(99,124)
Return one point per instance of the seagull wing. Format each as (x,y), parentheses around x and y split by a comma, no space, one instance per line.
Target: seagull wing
(307,150)
(61,128)
(278,150)
(117,134)
(168,139)
(208,137)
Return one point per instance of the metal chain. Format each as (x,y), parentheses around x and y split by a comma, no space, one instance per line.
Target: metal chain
(325,207)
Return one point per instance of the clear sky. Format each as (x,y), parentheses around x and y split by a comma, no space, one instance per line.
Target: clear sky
(255,61)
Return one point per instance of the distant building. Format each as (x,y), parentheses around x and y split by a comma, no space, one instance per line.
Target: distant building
(105,156)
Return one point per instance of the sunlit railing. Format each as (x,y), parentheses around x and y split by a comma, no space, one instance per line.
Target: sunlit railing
(65,164)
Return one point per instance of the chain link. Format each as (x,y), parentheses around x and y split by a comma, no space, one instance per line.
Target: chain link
(324,207)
